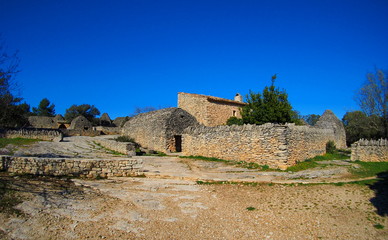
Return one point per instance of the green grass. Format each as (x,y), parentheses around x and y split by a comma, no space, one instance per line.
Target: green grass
(17,141)
(378,226)
(312,162)
(242,164)
(369,169)
(251,208)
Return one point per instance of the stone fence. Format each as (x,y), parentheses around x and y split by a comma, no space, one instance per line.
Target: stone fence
(127,148)
(370,150)
(278,146)
(90,168)
(33,133)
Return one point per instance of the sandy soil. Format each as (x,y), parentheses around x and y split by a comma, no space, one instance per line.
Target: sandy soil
(144,208)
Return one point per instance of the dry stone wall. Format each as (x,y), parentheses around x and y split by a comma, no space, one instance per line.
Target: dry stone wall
(121,147)
(72,167)
(278,146)
(42,134)
(370,150)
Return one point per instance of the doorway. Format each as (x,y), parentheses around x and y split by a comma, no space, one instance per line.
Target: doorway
(178,143)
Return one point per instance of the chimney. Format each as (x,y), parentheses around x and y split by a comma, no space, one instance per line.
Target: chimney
(238,98)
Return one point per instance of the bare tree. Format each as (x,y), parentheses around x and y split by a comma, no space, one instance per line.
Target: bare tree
(373,96)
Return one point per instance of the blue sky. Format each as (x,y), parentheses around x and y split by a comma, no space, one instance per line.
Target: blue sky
(119,55)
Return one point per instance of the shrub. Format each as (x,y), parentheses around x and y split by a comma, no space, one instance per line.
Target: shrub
(124,139)
(330,147)
(234,121)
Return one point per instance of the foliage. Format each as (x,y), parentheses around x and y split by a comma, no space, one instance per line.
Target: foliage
(88,111)
(270,106)
(45,108)
(139,110)
(358,125)
(297,118)
(12,112)
(234,121)
(373,97)
(124,139)
(311,119)
(330,147)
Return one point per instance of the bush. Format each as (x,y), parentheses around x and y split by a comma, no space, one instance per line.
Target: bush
(124,139)
(234,121)
(330,147)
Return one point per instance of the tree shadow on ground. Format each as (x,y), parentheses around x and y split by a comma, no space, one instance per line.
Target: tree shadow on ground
(380,201)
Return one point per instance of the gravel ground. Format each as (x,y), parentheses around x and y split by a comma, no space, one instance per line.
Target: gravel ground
(143,208)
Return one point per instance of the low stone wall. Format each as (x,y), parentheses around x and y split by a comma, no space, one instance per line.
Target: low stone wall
(90,168)
(127,148)
(33,133)
(108,130)
(76,132)
(370,150)
(278,146)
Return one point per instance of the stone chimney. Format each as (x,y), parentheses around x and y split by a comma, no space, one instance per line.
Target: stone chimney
(238,98)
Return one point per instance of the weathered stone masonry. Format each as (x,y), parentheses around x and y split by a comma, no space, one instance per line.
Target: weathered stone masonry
(72,166)
(42,134)
(208,110)
(278,146)
(370,150)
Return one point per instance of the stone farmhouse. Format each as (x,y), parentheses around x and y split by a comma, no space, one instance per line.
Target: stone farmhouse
(198,127)
(210,111)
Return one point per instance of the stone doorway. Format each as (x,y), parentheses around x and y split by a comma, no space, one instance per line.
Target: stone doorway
(178,143)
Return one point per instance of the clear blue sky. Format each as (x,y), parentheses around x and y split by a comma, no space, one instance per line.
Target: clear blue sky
(119,55)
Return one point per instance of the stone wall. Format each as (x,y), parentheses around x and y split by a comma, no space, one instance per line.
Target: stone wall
(42,134)
(78,132)
(278,146)
(71,167)
(157,130)
(127,148)
(370,150)
(208,110)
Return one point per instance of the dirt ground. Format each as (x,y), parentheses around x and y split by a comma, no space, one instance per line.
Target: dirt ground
(144,208)
(169,204)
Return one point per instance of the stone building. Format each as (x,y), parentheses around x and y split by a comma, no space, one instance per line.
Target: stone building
(208,110)
(105,120)
(278,146)
(329,121)
(120,121)
(159,130)
(57,122)
(80,123)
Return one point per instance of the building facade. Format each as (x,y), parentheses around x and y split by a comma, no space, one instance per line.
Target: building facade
(210,111)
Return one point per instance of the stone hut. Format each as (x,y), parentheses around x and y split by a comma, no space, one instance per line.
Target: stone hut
(61,122)
(42,122)
(329,121)
(159,130)
(80,123)
(210,111)
(120,121)
(105,120)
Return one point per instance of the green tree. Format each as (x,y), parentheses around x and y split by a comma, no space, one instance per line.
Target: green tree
(311,118)
(86,110)
(12,112)
(373,97)
(270,106)
(359,125)
(45,108)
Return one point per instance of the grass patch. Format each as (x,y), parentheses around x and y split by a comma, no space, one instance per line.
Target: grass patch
(369,169)
(378,226)
(242,164)
(309,163)
(17,141)
(251,208)
(110,151)
(312,162)
(124,139)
